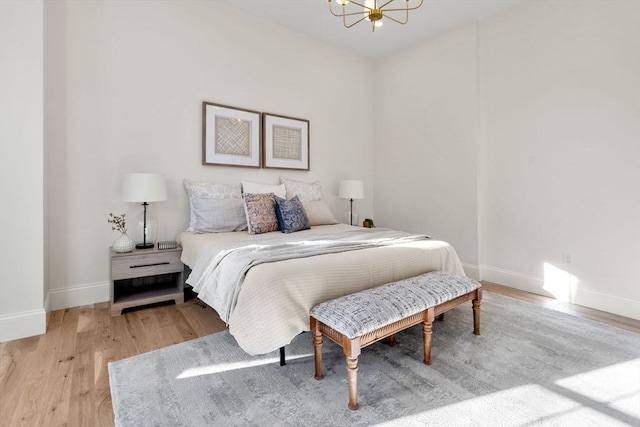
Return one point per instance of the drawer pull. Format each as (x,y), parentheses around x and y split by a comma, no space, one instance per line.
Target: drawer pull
(150,265)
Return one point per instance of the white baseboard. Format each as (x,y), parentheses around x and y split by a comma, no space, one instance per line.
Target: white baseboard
(584,297)
(610,303)
(515,280)
(79,295)
(23,325)
(471,270)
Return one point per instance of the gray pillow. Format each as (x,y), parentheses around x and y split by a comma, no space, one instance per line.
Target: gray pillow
(218,215)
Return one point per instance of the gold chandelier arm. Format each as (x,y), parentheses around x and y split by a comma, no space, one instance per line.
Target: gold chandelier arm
(397,9)
(343,14)
(406,19)
(385,5)
(344,22)
(359,5)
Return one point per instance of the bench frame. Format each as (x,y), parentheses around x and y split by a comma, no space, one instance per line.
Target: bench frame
(351,347)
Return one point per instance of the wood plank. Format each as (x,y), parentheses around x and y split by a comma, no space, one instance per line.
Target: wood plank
(16,359)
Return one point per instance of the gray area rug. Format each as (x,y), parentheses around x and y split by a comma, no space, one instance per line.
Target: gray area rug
(530,366)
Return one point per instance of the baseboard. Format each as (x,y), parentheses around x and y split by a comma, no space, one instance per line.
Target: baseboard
(79,295)
(23,325)
(515,280)
(471,270)
(610,303)
(584,297)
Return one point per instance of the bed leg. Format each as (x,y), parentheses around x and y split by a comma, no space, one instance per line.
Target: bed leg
(282,358)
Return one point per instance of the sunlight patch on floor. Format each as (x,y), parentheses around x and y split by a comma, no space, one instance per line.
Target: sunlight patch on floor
(530,404)
(618,386)
(232,366)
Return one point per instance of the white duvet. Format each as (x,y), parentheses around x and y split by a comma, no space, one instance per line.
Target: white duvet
(275,298)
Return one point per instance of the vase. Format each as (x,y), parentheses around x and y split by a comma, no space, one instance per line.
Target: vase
(123,243)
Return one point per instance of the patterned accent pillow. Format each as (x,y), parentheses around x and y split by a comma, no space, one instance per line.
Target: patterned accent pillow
(306,191)
(291,215)
(261,212)
(212,190)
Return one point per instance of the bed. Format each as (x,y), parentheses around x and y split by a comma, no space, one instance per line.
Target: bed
(274,298)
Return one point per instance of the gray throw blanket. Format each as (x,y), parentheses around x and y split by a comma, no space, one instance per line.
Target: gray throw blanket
(221,273)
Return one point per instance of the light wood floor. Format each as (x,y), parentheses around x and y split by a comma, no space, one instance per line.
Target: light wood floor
(61,378)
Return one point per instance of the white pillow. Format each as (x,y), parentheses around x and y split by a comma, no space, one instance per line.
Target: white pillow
(257,188)
(209,190)
(218,215)
(306,191)
(319,213)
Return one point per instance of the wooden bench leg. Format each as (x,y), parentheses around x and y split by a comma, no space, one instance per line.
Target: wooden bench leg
(352,379)
(476,312)
(317,348)
(426,334)
(441,317)
(392,340)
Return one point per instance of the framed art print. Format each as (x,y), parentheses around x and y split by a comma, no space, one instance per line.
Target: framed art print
(286,142)
(230,136)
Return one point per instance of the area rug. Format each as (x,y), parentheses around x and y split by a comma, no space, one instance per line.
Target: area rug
(530,366)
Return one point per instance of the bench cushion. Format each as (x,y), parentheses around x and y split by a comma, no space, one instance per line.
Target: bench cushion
(357,314)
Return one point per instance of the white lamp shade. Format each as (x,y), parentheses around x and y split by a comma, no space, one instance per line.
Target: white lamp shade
(351,189)
(144,187)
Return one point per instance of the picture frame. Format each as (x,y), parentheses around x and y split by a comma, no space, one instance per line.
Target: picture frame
(231,136)
(285,142)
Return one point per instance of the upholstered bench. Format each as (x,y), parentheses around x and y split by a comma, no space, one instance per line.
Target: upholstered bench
(358,320)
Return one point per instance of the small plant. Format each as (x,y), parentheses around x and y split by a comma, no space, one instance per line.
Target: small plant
(118,223)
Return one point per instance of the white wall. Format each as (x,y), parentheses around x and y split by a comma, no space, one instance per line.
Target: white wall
(130,80)
(556,94)
(425,141)
(21,170)
(561,151)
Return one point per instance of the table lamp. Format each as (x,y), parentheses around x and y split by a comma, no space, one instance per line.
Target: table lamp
(144,188)
(351,189)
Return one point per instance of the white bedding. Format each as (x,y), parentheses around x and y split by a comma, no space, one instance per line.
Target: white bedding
(275,299)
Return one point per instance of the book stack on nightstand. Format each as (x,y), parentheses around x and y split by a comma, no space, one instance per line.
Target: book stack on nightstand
(145,276)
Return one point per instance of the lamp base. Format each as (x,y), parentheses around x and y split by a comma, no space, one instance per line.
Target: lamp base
(144,245)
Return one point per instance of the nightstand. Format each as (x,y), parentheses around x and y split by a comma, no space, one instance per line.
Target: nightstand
(145,276)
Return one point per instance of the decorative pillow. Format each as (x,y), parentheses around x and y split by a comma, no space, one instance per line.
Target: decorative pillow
(261,212)
(319,213)
(218,215)
(257,188)
(291,215)
(210,190)
(306,191)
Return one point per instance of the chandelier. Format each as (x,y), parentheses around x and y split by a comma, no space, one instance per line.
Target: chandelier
(373,11)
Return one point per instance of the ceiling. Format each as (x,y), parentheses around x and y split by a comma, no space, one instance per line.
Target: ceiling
(312,17)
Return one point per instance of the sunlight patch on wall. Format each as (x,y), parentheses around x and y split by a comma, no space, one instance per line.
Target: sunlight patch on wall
(560,283)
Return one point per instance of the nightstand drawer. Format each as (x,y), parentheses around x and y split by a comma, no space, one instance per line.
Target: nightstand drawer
(151,264)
